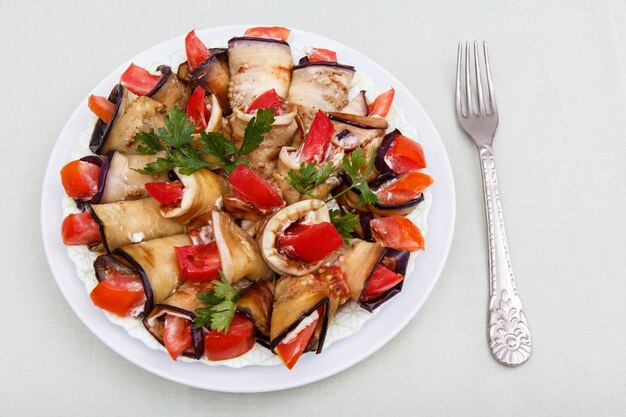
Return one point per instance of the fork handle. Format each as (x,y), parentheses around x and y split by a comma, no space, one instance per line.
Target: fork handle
(509,336)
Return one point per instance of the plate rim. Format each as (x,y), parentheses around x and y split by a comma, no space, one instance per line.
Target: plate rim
(175,371)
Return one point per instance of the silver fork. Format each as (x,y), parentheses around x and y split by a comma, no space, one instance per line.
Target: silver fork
(509,336)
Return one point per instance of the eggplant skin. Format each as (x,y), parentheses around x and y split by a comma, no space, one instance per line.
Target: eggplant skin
(397,261)
(101,130)
(256,303)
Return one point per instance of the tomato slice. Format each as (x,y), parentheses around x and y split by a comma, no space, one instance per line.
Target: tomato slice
(80,179)
(381,281)
(319,54)
(404,189)
(405,155)
(101,107)
(176,335)
(119,294)
(250,187)
(313,243)
(197,110)
(80,229)
(139,80)
(290,352)
(398,232)
(199,262)
(168,193)
(271,32)
(268,99)
(381,104)
(317,139)
(239,339)
(196,52)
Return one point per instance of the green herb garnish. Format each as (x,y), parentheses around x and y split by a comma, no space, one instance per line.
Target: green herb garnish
(308,177)
(344,224)
(222,302)
(352,165)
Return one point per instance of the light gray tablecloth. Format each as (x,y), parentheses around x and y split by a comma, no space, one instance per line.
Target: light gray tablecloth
(561,149)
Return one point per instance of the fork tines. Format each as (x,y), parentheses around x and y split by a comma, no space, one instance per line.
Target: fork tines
(473,93)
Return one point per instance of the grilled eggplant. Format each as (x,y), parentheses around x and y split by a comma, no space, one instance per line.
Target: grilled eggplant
(170,91)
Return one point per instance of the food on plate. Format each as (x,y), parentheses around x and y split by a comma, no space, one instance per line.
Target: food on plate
(240,202)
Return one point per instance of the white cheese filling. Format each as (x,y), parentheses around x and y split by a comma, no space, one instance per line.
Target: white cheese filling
(301,326)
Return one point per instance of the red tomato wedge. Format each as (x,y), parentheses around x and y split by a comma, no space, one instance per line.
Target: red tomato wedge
(250,187)
(176,335)
(317,139)
(80,229)
(196,52)
(313,243)
(290,352)
(270,32)
(319,54)
(398,232)
(266,100)
(80,179)
(139,80)
(199,262)
(381,104)
(119,294)
(168,193)
(239,339)
(404,189)
(197,111)
(381,281)
(101,107)
(405,155)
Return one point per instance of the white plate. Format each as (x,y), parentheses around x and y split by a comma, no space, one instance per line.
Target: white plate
(392,317)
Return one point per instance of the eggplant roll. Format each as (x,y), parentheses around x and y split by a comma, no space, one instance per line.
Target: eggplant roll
(170,91)
(155,262)
(256,303)
(319,86)
(306,211)
(118,181)
(182,303)
(256,66)
(240,255)
(263,158)
(358,106)
(354,131)
(358,264)
(132,115)
(213,75)
(125,222)
(202,189)
(296,298)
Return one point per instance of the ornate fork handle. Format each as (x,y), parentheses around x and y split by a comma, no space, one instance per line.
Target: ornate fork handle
(509,336)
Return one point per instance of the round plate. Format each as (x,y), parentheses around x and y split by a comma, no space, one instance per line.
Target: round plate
(392,317)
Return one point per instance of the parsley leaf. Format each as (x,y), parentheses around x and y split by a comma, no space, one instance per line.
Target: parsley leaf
(223,289)
(257,127)
(179,128)
(157,167)
(309,176)
(152,143)
(187,159)
(352,165)
(344,224)
(222,315)
(222,301)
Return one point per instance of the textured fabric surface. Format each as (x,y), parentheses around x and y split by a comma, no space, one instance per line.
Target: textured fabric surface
(559,71)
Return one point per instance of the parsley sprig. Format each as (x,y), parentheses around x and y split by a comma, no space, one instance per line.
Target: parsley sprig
(344,224)
(222,302)
(309,176)
(352,165)
(176,137)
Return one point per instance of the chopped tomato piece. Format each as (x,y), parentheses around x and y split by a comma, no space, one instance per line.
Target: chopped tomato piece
(197,110)
(404,189)
(196,52)
(290,352)
(119,294)
(381,281)
(405,155)
(313,243)
(295,228)
(268,99)
(317,139)
(80,179)
(168,193)
(237,340)
(335,277)
(250,187)
(199,262)
(80,229)
(319,54)
(398,232)
(381,104)
(271,32)
(139,80)
(176,335)
(101,107)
